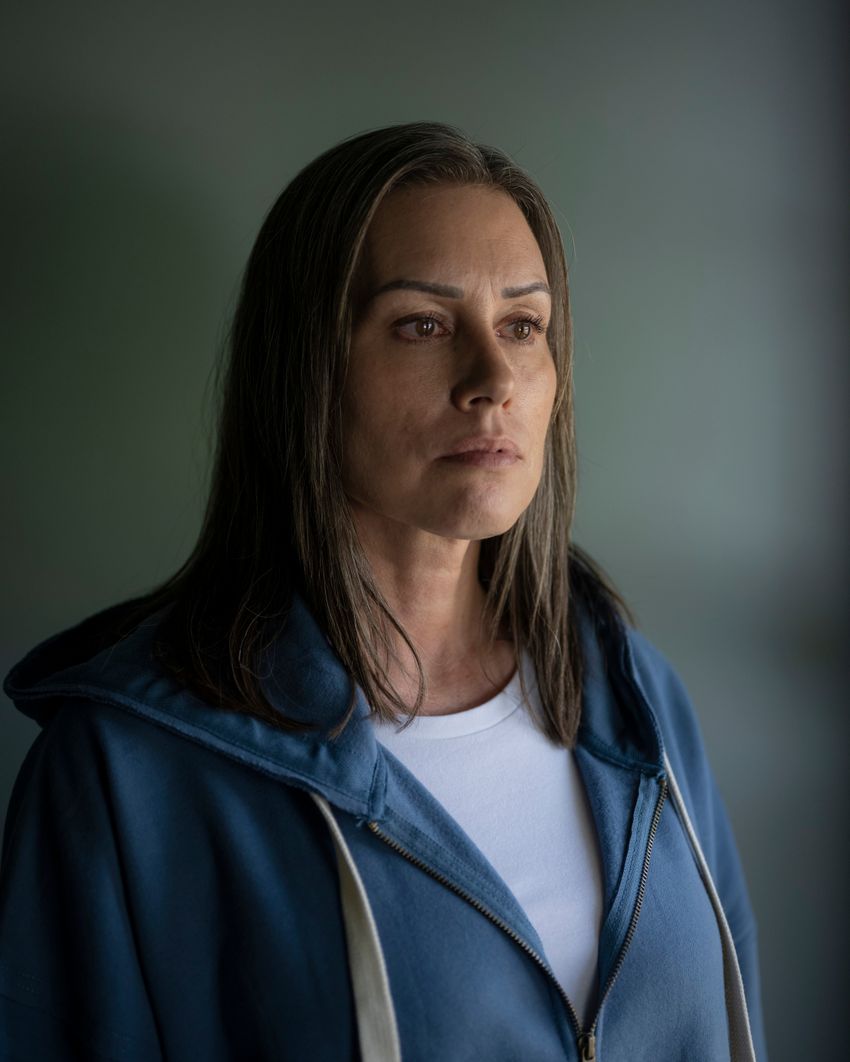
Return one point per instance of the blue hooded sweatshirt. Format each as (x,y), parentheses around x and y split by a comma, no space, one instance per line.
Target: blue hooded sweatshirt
(181,883)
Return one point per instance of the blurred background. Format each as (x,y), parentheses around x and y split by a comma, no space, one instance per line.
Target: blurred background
(694,155)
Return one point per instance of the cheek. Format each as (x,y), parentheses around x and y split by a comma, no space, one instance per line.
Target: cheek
(550,381)
(388,403)
(378,433)
(540,416)
(541,388)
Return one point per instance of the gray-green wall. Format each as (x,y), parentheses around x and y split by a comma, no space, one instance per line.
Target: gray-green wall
(692,154)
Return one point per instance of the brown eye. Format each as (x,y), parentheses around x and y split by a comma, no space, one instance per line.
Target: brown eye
(424,327)
(530,326)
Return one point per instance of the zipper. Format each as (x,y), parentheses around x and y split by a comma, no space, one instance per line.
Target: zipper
(590,1037)
(586,1040)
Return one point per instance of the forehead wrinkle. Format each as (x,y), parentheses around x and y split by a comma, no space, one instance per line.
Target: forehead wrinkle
(450,291)
(494,263)
(450,260)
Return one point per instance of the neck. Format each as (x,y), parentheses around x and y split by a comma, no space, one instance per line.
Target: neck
(432,587)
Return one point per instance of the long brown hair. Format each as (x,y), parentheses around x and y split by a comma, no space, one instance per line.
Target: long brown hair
(277,519)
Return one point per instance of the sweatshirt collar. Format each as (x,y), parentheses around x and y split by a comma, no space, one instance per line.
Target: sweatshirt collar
(303,678)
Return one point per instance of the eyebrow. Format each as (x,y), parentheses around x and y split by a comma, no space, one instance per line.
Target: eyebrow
(448,291)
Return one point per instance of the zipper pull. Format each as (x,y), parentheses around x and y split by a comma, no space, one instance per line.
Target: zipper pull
(587,1046)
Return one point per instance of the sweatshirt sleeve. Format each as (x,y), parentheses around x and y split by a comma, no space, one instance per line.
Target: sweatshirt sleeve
(71,986)
(683,741)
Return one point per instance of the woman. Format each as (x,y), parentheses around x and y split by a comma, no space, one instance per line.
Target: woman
(224,844)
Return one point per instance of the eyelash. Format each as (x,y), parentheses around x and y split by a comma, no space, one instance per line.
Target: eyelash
(536,320)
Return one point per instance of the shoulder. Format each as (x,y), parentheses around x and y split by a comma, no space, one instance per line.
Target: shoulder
(669,700)
(682,736)
(84,737)
(681,733)
(107,769)
(684,744)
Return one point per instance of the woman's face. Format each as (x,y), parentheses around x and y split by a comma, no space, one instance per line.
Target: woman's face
(430,369)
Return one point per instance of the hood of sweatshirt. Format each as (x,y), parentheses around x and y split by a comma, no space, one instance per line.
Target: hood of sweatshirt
(304,679)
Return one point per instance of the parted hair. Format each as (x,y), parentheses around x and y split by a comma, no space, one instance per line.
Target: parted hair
(277,518)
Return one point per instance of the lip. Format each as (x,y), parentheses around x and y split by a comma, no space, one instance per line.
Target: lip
(499,445)
(483,458)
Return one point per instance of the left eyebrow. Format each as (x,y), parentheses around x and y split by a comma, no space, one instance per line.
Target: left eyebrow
(448,291)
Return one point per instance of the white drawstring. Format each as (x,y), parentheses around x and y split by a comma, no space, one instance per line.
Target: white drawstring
(740,1038)
(376,1022)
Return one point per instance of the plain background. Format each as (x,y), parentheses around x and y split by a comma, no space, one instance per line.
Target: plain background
(692,153)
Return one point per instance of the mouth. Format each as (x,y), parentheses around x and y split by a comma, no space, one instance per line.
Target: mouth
(485,444)
(484,458)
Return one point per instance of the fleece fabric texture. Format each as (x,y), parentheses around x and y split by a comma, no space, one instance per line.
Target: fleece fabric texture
(169,889)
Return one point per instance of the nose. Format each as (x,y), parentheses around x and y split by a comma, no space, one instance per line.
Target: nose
(484,373)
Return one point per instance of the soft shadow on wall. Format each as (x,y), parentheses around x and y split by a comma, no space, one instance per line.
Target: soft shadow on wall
(116,294)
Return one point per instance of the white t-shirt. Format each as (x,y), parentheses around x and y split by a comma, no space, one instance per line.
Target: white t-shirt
(522,801)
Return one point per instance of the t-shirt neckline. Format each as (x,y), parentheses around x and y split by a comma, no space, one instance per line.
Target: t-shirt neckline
(459,724)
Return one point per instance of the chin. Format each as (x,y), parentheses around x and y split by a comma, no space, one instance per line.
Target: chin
(474,526)
(474,515)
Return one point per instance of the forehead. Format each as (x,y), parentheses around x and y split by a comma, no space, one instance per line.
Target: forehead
(445,232)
